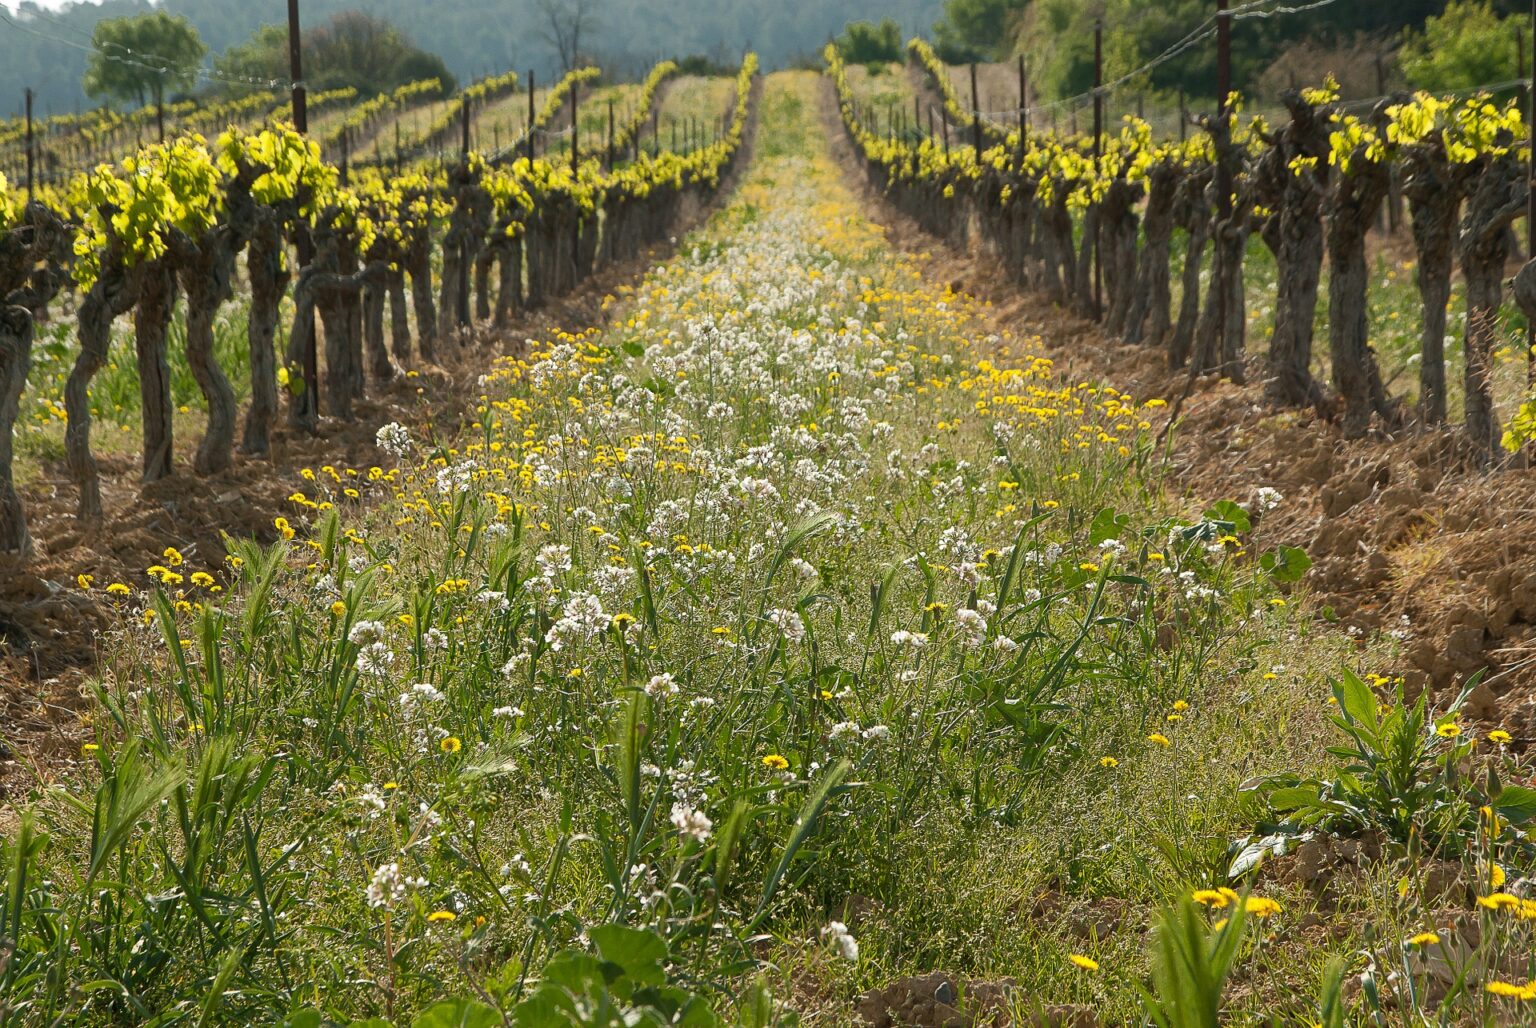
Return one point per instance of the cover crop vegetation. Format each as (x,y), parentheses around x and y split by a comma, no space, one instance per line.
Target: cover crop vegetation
(791,633)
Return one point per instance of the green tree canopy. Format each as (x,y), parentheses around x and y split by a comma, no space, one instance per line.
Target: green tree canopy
(138,58)
(262,57)
(351,49)
(864,42)
(976,29)
(1467,46)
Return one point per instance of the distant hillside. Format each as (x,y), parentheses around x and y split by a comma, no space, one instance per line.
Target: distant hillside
(473,36)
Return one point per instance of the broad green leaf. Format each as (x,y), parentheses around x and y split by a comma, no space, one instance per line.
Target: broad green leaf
(1231,513)
(1107,524)
(1294,798)
(1356,699)
(1516,804)
(640,953)
(458,1013)
(1286,563)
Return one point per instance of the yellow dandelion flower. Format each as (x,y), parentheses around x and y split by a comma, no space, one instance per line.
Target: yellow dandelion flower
(1210,898)
(1261,906)
(1509,990)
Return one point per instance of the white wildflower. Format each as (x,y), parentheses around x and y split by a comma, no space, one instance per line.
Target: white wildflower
(788,623)
(661,685)
(691,822)
(394,439)
(842,942)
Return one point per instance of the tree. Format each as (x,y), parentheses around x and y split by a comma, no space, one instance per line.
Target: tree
(568,21)
(261,58)
(864,42)
(974,29)
(352,49)
(138,58)
(1466,47)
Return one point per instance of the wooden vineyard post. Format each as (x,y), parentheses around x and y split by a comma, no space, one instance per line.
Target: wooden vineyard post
(975,115)
(532,114)
(1230,367)
(302,244)
(31,157)
(1394,182)
(1098,152)
(1023,112)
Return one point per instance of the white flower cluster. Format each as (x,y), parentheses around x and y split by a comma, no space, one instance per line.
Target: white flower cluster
(394,439)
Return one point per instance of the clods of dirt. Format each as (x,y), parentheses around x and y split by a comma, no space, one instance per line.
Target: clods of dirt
(942,1000)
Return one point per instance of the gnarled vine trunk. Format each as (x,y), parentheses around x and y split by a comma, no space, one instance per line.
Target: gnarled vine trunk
(1181,341)
(151,325)
(374,348)
(1082,274)
(509,264)
(268,274)
(419,267)
(1434,197)
(115,292)
(1351,209)
(1219,334)
(33,255)
(1120,227)
(1496,198)
(207,276)
(399,319)
(1299,248)
(1150,313)
(15,361)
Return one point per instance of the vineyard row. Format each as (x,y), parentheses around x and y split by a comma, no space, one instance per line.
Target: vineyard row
(1090,221)
(173,221)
